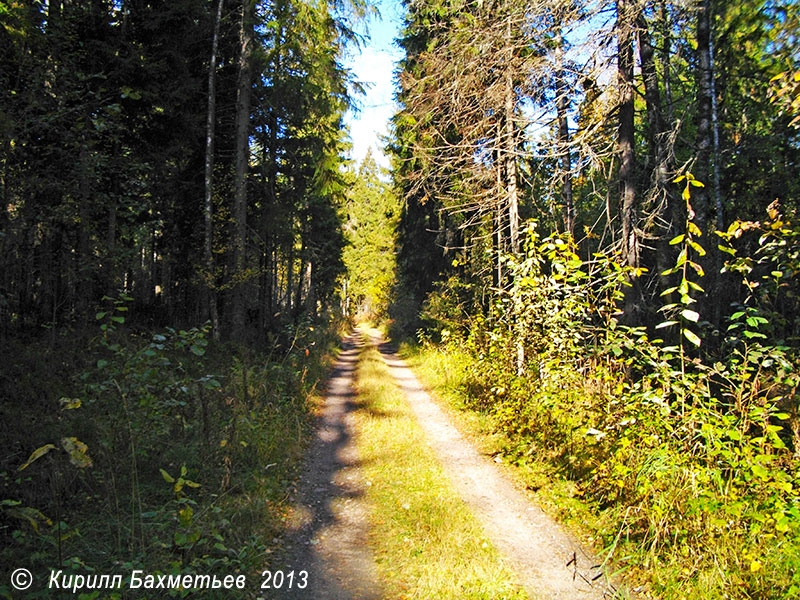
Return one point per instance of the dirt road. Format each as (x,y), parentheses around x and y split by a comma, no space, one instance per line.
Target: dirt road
(331,524)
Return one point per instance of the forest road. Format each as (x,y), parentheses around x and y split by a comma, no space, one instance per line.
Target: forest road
(550,564)
(330,524)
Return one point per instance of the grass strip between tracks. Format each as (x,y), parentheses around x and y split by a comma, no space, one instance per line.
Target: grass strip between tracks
(426,542)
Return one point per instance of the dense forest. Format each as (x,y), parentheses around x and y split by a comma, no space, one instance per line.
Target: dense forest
(174,183)
(188,154)
(590,235)
(599,242)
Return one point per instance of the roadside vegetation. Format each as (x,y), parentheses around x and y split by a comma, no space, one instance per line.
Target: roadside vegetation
(679,462)
(161,451)
(426,543)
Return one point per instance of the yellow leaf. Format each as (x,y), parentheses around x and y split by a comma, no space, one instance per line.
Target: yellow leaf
(77,452)
(37,454)
(755,566)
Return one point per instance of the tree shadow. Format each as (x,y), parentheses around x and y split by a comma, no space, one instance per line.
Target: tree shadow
(328,527)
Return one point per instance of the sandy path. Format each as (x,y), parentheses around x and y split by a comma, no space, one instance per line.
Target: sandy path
(550,564)
(330,518)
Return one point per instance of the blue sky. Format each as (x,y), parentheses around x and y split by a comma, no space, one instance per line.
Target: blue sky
(374,66)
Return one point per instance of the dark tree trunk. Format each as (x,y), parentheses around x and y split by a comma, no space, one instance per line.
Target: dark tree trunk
(243,90)
(625,133)
(700,202)
(208,206)
(628,206)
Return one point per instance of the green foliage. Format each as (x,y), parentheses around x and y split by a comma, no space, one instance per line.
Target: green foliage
(686,456)
(174,453)
(371,217)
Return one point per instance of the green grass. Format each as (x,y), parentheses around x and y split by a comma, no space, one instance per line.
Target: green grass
(240,440)
(427,544)
(720,568)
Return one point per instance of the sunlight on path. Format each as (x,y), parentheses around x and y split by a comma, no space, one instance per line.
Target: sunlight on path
(549,562)
(330,518)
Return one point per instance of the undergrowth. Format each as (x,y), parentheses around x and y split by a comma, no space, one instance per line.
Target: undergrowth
(162,451)
(681,460)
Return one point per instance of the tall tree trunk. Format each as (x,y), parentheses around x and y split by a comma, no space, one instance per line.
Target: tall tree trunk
(659,151)
(707,155)
(510,161)
(670,209)
(84,266)
(626,11)
(565,157)
(497,224)
(704,142)
(720,220)
(208,206)
(665,24)
(243,90)
(625,133)
(270,160)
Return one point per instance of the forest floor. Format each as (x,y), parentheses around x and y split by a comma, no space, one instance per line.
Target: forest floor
(335,527)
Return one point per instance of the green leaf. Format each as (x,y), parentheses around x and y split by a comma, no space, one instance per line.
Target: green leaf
(760,471)
(37,454)
(694,286)
(197,350)
(698,248)
(754,335)
(690,315)
(69,403)
(698,269)
(666,324)
(669,291)
(782,524)
(677,239)
(29,514)
(167,477)
(681,258)
(100,315)
(185,516)
(692,337)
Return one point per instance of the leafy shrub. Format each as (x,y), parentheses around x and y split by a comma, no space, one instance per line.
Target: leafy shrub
(689,454)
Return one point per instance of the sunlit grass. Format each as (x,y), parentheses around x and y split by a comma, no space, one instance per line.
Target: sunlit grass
(427,544)
(717,570)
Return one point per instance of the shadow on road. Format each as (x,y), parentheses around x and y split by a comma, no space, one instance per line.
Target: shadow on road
(329,526)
